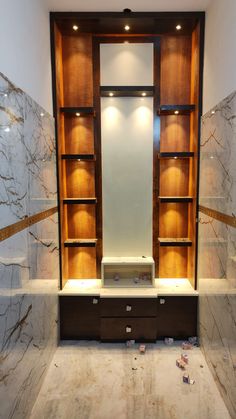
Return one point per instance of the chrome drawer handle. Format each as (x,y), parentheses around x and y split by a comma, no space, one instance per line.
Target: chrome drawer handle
(128,329)
(128,308)
(162,300)
(95,301)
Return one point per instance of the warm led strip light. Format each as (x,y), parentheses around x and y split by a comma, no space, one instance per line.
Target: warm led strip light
(219,216)
(12,229)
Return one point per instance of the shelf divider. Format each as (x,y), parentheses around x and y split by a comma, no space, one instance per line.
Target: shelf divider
(86,157)
(176,242)
(172,109)
(176,154)
(79,200)
(175,199)
(80,243)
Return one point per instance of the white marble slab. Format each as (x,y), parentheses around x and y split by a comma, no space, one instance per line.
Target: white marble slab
(217,247)
(29,259)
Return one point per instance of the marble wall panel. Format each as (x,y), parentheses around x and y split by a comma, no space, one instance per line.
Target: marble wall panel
(217,247)
(28,260)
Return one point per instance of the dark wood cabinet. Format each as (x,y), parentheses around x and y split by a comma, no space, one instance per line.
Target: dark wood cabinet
(176,316)
(79,317)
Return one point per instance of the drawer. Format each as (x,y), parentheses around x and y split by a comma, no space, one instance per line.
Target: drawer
(142,329)
(128,307)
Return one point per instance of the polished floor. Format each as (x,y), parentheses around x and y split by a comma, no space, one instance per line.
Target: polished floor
(110,381)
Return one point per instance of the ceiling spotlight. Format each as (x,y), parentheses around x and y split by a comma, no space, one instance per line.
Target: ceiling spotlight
(5,94)
(78,159)
(42,114)
(213,112)
(111,94)
(176,112)
(75,27)
(178,27)
(175,158)
(77,114)
(127,28)
(144,94)
(7,129)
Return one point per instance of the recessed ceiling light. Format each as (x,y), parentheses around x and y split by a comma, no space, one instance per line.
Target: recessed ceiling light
(176,112)
(111,94)
(7,129)
(5,94)
(127,28)
(78,159)
(144,94)
(75,27)
(42,114)
(178,27)
(77,114)
(211,157)
(213,112)
(175,158)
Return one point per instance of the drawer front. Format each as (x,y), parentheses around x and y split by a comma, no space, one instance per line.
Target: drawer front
(142,329)
(176,317)
(79,317)
(128,307)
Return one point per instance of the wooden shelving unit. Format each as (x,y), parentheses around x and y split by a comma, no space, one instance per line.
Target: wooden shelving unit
(176,92)
(177,155)
(78,156)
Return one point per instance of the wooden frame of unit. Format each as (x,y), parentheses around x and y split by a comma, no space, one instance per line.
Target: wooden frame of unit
(150,27)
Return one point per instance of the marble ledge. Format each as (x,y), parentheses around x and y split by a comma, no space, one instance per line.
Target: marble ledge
(32,287)
(163,287)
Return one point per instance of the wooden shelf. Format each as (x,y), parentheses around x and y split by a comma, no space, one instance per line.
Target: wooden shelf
(175,199)
(80,243)
(83,111)
(170,109)
(86,157)
(173,154)
(177,242)
(80,201)
(127,91)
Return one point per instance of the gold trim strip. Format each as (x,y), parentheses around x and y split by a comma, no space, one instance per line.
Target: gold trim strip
(12,229)
(219,216)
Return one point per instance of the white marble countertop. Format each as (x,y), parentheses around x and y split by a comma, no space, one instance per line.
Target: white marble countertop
(163,286)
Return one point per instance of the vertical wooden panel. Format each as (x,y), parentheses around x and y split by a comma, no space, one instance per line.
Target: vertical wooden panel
(173,262)
(82,263)
(81,221)
(175,132)
(77,70)
(194,140)
(175,69)
(79,135)
(174,177)
(80,179)
(173,220)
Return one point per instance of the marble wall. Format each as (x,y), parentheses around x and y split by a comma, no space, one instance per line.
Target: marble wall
(29,259)
(217,247)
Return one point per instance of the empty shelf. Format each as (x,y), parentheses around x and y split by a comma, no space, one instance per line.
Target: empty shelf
(80,200)
(180,242)
(90,157)
(175,199)
(173,154)
(176,109)
(80,243)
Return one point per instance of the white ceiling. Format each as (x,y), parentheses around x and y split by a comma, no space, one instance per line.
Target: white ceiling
(134,5)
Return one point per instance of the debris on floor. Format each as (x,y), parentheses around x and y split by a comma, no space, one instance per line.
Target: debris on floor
(187,379)
(180,364)
(193,340)
(130,343)
(187,346)
(184,358)
(142,349)
(169,341)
